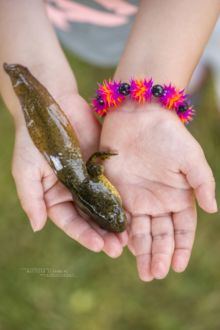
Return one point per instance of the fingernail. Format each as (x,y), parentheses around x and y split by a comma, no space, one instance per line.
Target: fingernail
(146,277)
(211,203)
(97,246)
(180,265)
(115,251)
(214,206)
(123,237)
(159,271)
(34,225)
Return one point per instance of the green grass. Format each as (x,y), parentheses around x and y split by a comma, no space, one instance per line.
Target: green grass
(103,293)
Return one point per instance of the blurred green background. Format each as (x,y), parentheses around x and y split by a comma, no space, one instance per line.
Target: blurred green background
(47,281)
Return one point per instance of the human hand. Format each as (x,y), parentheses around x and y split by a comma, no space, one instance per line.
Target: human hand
(159,168)
(38,189)
(42,195)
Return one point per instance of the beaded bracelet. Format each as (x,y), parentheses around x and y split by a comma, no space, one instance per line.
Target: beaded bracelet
(111,93)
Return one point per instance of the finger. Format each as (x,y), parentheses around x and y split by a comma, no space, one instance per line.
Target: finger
(162,245)
(62,212)
(130,246)
(55,192)
(123,238)
(200,177)
(128,230)
(58,194)
(65,216)
(31,196)
(184,232)
(140,242)
(112,244)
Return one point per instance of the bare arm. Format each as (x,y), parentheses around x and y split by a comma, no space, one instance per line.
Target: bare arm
(27,37)
(167,39)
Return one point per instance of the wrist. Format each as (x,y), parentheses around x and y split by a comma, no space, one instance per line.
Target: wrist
(154,110)
(144,117)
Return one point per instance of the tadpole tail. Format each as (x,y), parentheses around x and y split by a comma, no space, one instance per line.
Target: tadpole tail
(46,122)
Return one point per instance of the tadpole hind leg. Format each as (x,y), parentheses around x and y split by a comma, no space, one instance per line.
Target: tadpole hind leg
(93,165)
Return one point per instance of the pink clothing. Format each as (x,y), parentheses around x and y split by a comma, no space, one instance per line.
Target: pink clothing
(61,12)
(96,30)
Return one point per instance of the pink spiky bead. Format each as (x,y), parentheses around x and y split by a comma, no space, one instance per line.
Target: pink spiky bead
(175,99)
(107,96)
(140,90)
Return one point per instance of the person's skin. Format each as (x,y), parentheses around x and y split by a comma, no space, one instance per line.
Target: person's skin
(160,167)
(141,170)
(27,38)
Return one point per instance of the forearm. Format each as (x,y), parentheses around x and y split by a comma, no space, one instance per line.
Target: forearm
(26,37)
(167,40)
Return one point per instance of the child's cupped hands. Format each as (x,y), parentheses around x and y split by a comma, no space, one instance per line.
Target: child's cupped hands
(159,171)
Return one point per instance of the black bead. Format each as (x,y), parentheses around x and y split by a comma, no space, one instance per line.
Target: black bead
(124,89)
(157,90)
(183,107)
(100,100)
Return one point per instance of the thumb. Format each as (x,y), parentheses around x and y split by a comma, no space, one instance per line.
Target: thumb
(201,179)
(30,193)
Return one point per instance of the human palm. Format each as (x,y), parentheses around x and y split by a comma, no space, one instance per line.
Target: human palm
(158,169)
(42,195)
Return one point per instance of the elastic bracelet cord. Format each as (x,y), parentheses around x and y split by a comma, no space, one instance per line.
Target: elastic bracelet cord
(110,94)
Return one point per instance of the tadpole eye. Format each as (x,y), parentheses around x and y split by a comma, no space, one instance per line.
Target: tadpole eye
(121,219)
(111,218)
